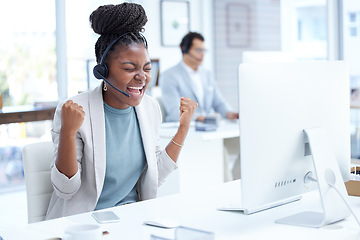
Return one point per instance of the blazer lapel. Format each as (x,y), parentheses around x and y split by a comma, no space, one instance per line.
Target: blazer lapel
(97,118)
(149,145)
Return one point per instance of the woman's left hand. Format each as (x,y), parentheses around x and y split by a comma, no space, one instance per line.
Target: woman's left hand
(187,110)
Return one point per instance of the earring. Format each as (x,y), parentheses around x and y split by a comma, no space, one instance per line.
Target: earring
(105,87)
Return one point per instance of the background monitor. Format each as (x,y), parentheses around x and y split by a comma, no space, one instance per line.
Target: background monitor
(266,56)
(277,101)
(155,70)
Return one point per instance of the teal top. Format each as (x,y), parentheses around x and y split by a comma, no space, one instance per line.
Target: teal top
(125,157)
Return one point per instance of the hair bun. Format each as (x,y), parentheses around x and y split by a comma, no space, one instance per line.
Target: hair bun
(118,19)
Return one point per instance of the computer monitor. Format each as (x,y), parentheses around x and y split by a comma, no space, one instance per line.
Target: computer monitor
(294,120)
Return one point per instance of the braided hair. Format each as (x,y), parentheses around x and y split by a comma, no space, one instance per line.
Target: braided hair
(111,21)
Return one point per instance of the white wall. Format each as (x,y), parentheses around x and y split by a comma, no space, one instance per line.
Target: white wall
(242,25)
(201,21)
(209,17)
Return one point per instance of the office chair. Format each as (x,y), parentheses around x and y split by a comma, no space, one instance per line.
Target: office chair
(37,158)
(162,109)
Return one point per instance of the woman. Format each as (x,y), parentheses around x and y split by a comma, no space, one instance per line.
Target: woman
(106,140)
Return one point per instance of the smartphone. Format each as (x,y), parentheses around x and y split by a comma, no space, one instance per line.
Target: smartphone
(105,217)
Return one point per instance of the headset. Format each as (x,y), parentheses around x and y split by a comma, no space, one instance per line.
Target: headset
(101,70)
(186,44)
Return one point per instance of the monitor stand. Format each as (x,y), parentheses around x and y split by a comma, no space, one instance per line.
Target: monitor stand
(325,164)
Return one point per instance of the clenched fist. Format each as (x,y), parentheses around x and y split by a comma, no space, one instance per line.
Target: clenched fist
(72,117)
(187,110)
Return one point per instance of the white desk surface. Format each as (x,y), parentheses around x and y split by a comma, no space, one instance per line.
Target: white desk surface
(210,150)
(198,210)
(226,129)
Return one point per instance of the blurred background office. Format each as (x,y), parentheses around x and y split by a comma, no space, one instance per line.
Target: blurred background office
(47,55)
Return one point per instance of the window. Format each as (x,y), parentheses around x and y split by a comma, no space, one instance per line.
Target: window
(27,76)
(27,52)
(351,54)
(28,69)
(304,29)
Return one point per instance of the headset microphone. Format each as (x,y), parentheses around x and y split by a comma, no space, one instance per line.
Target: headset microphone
(196,58)
(126,94)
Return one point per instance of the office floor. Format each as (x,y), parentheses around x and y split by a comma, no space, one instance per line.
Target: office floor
(13,209)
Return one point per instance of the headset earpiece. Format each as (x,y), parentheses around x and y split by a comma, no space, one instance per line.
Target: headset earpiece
(101,71)
(184,50)
(186,44)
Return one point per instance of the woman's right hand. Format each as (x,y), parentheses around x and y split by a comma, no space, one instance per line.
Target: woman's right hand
(72,117)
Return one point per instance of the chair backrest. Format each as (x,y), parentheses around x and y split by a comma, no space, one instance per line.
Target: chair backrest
(162,109)
(37,158)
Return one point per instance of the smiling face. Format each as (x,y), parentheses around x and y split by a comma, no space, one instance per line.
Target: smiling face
(129,71)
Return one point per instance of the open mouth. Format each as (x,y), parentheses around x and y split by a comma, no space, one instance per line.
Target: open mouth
(135,90)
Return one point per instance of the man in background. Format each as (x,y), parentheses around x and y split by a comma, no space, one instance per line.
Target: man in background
(189,79)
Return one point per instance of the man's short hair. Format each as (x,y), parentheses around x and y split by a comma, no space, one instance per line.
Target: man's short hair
(187,40)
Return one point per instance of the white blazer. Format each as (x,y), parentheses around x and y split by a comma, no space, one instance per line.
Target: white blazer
(81,192)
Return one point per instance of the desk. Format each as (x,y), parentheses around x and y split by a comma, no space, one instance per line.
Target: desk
(204,158)
(198,210)
(16,114)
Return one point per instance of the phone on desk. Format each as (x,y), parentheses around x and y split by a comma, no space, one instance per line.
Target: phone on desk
(105,217)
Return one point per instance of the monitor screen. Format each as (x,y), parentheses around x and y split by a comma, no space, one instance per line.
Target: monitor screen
(277,101)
